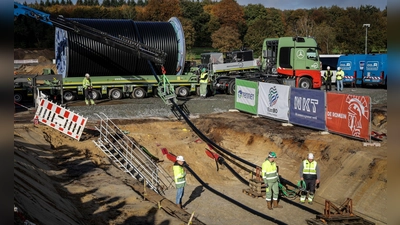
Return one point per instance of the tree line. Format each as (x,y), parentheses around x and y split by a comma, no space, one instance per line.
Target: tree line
(224,25)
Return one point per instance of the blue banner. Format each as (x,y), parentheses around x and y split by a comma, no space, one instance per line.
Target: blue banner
(307,108)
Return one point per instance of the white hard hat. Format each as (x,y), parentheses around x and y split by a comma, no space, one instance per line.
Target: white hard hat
(180,158)
(87,75)
(338,68)
(328,67)
(310,156)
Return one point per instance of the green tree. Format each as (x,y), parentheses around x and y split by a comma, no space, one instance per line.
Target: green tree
(106,3)
(226,39)
(257,32)
(253,12)
(325,37)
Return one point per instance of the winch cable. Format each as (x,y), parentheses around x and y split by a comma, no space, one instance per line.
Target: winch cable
(215,146)
(233,201)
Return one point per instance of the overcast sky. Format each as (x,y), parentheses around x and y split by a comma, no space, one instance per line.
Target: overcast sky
(297,4)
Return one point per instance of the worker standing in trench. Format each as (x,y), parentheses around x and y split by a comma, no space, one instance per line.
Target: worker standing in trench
(180,179)
(309,173)
(271,180)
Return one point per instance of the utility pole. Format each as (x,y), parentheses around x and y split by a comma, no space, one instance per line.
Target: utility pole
(366,25)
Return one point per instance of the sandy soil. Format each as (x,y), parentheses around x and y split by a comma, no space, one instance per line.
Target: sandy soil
(58,180)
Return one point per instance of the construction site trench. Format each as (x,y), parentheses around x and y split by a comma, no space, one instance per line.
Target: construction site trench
(58,180)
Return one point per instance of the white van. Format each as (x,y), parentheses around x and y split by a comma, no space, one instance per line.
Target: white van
(330,60)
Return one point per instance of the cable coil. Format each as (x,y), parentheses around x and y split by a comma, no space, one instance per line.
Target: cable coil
(86,55)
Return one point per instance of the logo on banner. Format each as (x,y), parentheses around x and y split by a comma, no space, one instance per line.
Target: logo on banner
(246,95)
(358,109)
(273,96)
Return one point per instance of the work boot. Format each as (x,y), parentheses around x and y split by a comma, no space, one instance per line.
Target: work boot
(276,204)
(269,204)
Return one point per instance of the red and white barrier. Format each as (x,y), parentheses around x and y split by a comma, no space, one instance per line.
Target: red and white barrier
(60,118)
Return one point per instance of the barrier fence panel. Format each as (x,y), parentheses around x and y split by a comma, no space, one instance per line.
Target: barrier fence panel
(307,108)
(273,100)
(60,118)
(349,115)
(246,97)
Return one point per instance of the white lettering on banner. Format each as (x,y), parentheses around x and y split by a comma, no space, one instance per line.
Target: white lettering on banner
(336,115)
(246,95)
(303,104)
(305,116)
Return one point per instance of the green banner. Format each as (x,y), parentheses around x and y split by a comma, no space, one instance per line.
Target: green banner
(246,96)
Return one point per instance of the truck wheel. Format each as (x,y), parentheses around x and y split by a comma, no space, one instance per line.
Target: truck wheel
(231,87)
(18,97)
(182,91)
(138,93)
(305,83)
(96,95)
(116,93)
(68,96)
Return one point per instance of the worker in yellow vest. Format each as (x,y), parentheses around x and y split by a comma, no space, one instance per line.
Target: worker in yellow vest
(270,176)
(309,173)
(180,179)
(203,83)
(87,89)
(339,79)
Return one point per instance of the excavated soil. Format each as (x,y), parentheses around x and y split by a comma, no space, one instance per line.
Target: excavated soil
(58,180)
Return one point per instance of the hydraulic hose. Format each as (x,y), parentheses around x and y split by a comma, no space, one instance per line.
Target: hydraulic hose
(230,199)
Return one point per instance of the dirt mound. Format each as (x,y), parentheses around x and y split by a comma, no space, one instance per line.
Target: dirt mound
(41,54)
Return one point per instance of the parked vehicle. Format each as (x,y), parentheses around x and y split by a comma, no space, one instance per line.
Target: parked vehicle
(285,60)
(353,67)
(330,60)
(375,70)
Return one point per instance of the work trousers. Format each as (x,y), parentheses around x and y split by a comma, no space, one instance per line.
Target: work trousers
(310,187)
(339,85)
(272,192)
(179,195)
(203,89)
(88,96)
(328,84)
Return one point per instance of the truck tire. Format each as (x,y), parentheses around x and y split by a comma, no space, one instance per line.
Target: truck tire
(305,83)
(139,93)
(116,93)
(18,97)
(231,88)
(68,96)
(182,91)
(96,95)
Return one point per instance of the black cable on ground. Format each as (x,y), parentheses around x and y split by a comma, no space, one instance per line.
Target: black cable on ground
(207,140)
(232,200)
(241,179)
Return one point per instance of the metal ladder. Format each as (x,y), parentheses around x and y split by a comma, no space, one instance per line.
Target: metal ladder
(127,154)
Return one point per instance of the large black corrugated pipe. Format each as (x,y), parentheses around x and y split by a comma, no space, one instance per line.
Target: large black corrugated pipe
(76,55)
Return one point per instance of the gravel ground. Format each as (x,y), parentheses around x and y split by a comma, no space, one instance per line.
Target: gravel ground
(155,107)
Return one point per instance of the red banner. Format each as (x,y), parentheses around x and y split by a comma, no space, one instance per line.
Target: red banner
(348,114)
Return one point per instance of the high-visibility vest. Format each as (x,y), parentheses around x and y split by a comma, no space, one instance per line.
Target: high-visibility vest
(203,78)
(269,171)
(86,83)
(179,176)
(339,75)
(328,75)
(309,169)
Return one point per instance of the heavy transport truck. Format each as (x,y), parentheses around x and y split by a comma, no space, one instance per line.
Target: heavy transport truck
(182,82)
(285,60)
